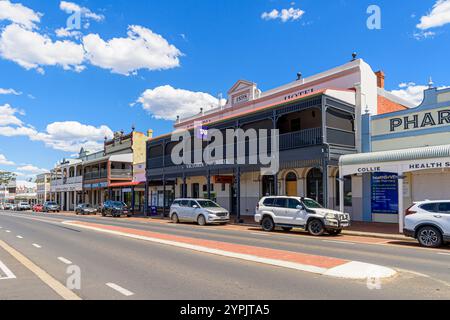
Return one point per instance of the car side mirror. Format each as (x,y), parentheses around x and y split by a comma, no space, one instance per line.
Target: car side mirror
(299,207)
(195,206)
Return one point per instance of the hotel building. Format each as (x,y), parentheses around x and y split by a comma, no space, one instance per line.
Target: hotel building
(319,119)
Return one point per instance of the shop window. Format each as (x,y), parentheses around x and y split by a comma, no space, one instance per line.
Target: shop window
(347,191)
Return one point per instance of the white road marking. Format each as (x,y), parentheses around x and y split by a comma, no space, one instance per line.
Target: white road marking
(8,231)
(8,273)
(260,234)
(444,254)
(340,242)
(20,237)
(36,246)
(64,260)
(119,289)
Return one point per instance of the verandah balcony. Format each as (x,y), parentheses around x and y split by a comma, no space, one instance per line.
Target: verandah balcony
(288,141)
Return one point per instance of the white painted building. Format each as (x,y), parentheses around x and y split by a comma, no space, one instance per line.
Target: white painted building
(407,158)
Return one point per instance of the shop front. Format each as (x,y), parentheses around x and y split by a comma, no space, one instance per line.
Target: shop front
(406,159)
(399,178)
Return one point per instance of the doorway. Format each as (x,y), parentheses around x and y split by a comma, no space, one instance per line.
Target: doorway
(291,185)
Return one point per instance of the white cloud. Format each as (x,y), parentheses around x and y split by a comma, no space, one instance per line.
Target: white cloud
(412,92)
(70,7)
(166,102)
(4,161)
(8,115)
(284,15)
(31,170)
(424,35)
(439,16)
(10,91)
(19,14)
(67,136)
(142,49)
(70,136)
(33,50)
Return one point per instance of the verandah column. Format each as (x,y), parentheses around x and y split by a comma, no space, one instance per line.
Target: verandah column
(401,212)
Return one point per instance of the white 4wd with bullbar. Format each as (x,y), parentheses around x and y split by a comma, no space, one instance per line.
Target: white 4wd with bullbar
(296,212)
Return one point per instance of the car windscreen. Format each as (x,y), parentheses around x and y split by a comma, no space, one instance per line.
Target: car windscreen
(118,204)
(51,203)
(311,204)
(207,204)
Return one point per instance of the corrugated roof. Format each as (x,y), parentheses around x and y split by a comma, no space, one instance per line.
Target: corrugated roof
(396,155)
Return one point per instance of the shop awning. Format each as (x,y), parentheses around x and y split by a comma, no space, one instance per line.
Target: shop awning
(125,184)
(397,161)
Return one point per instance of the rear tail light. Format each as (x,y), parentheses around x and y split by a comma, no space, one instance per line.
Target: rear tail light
(409,212)
(257,206)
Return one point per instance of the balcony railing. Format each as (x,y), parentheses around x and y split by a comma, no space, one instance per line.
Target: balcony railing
(102,174)
(299,139)
(121,173)
(293,140)
(63,181)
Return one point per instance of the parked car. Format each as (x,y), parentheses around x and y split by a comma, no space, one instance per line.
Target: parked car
(84,209)
(38,208)
(23,206)
(200,211)
(296,212)
(51,206)
(7,206)
(115,209)
(429,223)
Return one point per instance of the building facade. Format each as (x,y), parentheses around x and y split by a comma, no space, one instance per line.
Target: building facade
(319,119)
(109,175)
(406,158)
(43,187)
(66,185)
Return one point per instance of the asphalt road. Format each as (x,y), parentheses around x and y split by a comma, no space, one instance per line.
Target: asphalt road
(114,267)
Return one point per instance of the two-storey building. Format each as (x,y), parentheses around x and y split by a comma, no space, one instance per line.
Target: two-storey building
(109,174)
(318,119)
(43,187)
(66,185)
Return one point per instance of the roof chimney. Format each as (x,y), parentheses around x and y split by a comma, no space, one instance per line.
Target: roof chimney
(380,79)
(150,133)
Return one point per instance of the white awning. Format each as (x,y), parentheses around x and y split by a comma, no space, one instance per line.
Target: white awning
(397,161)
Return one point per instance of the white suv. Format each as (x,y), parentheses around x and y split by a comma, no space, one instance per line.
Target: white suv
(429,223)
(296,212)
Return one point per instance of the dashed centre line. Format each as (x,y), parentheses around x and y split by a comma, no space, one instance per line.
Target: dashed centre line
(36,246)
(8,231)
(64,260)
(19,237)
(119,289)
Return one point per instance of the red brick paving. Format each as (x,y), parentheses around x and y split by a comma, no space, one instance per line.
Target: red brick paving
(306,259)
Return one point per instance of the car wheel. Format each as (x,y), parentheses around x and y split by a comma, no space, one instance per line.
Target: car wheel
(175,218)
(267,224)
(315,228)
(201,220)
(429,237)
(334,232)
(287,229)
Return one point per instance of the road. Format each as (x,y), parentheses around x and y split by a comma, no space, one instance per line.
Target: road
(117,267)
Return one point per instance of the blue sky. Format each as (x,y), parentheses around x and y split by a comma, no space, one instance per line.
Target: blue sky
(184,53)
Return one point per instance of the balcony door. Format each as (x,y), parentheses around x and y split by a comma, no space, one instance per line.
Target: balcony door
(314,182)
